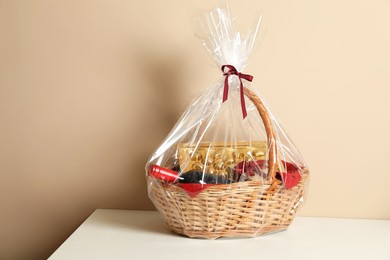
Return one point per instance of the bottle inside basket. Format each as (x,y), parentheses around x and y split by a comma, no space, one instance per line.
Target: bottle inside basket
(192,176)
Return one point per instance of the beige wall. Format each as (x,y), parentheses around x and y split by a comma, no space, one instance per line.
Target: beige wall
(89,88)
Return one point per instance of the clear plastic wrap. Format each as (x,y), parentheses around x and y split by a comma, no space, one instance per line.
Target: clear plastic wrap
(227,168)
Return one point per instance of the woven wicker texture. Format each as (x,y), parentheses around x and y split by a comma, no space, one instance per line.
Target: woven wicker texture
(243,209)
(235,210)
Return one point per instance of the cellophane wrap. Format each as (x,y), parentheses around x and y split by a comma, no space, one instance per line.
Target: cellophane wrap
(218,183)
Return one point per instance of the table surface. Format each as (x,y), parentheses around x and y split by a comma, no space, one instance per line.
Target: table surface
(130,234)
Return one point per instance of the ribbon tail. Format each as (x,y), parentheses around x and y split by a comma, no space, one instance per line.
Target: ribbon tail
(225,89)
(243,107)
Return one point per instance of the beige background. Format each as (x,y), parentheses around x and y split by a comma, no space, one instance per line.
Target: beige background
(89,88)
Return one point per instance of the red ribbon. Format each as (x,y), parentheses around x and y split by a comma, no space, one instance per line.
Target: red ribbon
(233,71)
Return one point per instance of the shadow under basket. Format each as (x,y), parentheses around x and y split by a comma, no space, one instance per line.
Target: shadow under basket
(243,209)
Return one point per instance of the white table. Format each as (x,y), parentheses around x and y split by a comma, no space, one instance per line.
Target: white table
(126,234)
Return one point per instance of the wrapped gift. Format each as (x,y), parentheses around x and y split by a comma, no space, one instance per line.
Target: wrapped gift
(227,168)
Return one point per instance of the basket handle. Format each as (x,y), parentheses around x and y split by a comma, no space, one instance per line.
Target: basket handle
(271,140)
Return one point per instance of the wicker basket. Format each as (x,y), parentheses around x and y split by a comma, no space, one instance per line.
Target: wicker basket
(241,209)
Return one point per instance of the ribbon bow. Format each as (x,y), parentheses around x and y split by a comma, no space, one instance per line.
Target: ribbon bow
(233,71)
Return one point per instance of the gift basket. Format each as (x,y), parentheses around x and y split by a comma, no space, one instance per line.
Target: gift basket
(227,168)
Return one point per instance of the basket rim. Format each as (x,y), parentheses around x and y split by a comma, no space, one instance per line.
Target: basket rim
(235,185)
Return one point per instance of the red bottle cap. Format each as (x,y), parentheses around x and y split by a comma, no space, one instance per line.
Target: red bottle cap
(163,173)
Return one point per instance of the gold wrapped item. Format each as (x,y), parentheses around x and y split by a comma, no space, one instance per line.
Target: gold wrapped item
(218,158)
